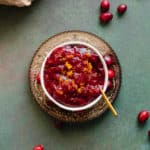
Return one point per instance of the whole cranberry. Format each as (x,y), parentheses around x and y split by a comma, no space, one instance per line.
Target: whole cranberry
(110,84)
(108,59)
(38,147)
(122,8)
(143,116)
(38,78)
(58,124)
(149,133)
(105,5)
(111,74)
(106,17)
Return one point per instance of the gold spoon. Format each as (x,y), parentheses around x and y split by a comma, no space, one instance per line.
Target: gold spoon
(108,102)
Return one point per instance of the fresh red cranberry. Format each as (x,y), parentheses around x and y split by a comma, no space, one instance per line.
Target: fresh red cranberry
(143,116)
(105,5)
(108,59)
(149,133)
(111,74)
(122,8)
(38,78)
(58,124)
(106,17)
(110,84)
(38,147)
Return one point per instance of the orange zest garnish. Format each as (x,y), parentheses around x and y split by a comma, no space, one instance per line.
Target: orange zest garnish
(79,90)
(60,79)
(74,85)
(60,92)
(81,84)
(66,81)
(85,69)
(89,65)
(63,58)
(68,66)
(87,54)
(69,73)
(69,56)
(85,62)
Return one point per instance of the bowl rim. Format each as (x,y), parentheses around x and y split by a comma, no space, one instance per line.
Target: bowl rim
(69,108)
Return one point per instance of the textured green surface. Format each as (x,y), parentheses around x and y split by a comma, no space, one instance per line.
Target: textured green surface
(23,124)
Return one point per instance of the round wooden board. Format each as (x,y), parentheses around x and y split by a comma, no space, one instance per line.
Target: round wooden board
(52,109)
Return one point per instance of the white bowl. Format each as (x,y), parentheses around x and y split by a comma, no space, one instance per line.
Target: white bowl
(80,108)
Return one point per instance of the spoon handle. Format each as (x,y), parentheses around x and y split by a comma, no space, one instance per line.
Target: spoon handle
(108,103)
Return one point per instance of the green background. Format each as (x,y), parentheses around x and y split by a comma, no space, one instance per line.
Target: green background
(23,124)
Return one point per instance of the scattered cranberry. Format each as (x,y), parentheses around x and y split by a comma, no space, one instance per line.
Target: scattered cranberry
(149,133)
(106,17)
(111,74)
(110,84)
(38,147)
(58,124)
(122,8)
(143,116)
(105,5)
(38,78)
(108,59)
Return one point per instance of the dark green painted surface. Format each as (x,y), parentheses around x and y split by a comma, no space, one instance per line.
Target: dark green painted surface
(23,124)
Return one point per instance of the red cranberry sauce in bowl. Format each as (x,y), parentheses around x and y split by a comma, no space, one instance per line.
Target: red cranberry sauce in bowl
(71,76)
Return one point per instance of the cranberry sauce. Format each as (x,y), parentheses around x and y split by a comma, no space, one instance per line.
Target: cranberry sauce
(72,75)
